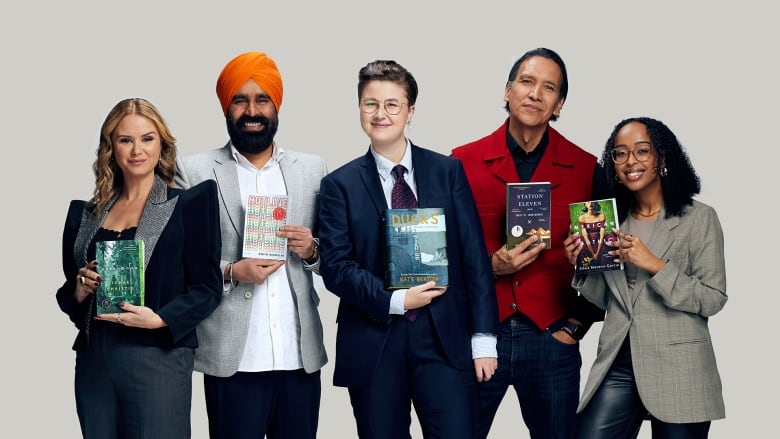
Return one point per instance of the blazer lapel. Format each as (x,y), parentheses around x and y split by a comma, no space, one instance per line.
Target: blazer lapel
(155,216)
(659,244)
(226,176)
(617,284)
(371,182)
(293,181)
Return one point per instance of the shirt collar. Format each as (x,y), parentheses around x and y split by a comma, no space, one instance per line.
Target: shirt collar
(276,156)
(518,151)
(385,166)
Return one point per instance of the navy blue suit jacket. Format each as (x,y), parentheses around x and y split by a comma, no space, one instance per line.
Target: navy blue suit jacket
(352,263)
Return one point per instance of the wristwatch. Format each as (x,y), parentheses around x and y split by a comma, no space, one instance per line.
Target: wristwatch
(315,255)
(575,330)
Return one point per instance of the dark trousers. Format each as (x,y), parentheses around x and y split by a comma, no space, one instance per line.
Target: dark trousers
(252,405)
(414,369)
(545,374)
(133,391)
(617,412)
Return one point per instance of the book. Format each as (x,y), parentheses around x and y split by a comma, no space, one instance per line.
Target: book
(416,247)
(528,213)
(594,220)
(121,267)
(265,214)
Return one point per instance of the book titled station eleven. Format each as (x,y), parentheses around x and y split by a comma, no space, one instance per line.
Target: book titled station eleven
(265,214)
(528,213)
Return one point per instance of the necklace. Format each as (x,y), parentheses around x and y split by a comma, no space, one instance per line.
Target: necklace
(647,215)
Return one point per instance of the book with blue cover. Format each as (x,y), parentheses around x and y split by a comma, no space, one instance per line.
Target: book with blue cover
(416,247)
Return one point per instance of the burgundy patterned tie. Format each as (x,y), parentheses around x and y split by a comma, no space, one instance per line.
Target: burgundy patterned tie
(402,197)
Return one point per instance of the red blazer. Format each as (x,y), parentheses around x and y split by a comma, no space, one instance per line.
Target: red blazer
(542,291)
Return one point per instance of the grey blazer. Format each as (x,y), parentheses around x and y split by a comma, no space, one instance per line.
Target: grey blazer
(223,334)
(666,319)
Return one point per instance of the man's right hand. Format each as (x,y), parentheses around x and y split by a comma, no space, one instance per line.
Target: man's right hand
(510,261)
(254,270)
(421,295)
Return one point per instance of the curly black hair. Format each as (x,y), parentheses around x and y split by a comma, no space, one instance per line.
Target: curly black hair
(679,181)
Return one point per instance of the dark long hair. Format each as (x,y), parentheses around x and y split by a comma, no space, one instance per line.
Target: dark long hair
(679,181)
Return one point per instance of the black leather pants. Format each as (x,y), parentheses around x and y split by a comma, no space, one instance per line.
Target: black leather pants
(616,410)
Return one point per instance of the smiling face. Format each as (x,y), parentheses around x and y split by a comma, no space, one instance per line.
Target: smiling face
(384,129)
(533,97)
(632,141)
(252,119)
(137,146)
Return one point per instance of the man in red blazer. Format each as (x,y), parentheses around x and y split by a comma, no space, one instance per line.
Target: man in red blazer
(542,318)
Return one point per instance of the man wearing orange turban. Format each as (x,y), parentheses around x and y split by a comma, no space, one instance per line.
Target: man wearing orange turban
(262,349)
(256,66)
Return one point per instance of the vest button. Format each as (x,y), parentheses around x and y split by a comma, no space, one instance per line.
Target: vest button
(513,306)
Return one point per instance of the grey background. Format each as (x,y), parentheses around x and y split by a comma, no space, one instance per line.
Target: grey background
(706,70)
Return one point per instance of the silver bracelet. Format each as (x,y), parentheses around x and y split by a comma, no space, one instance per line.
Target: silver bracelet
(232,284)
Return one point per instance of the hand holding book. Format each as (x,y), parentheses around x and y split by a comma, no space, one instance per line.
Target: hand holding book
(631,249)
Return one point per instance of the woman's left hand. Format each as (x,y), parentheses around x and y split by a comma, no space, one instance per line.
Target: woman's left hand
(135,316)
(630,248)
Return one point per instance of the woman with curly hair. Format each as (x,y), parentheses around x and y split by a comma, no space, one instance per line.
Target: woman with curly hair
(655,357)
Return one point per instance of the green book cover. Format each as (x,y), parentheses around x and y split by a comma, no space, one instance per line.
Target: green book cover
(594,220)
(416,247)
(121,267)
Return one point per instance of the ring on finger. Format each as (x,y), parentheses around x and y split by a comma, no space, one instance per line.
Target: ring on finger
(82,279)
(119,318)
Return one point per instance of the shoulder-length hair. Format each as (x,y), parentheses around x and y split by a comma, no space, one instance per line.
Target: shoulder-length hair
(679,181)
(108,176)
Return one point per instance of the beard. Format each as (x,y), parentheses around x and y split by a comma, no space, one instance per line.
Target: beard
(252,142)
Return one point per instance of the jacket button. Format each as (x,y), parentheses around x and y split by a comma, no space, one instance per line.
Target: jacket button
(247,295)
(517,283)
(513,306)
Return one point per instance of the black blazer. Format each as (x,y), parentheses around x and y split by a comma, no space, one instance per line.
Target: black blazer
(183,281)
(352,207)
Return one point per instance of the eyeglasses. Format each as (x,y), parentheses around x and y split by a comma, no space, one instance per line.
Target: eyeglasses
(642,153)
(391,106)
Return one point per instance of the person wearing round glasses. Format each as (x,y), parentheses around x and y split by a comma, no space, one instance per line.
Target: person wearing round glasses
(655,358)
(421,345)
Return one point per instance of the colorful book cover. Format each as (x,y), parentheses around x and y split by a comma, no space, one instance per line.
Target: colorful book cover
(594,221)
(416,247)
(528,213)
(265,214)
(121,267)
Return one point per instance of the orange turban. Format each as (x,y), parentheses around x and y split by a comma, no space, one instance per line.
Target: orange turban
(256,66)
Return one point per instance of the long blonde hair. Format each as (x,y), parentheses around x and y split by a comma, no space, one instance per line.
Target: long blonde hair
(108,176)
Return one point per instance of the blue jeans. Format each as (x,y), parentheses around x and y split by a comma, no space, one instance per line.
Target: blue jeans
(545,374)
(617,412)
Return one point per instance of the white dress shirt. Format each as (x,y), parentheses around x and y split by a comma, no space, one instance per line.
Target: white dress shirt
(274,329)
